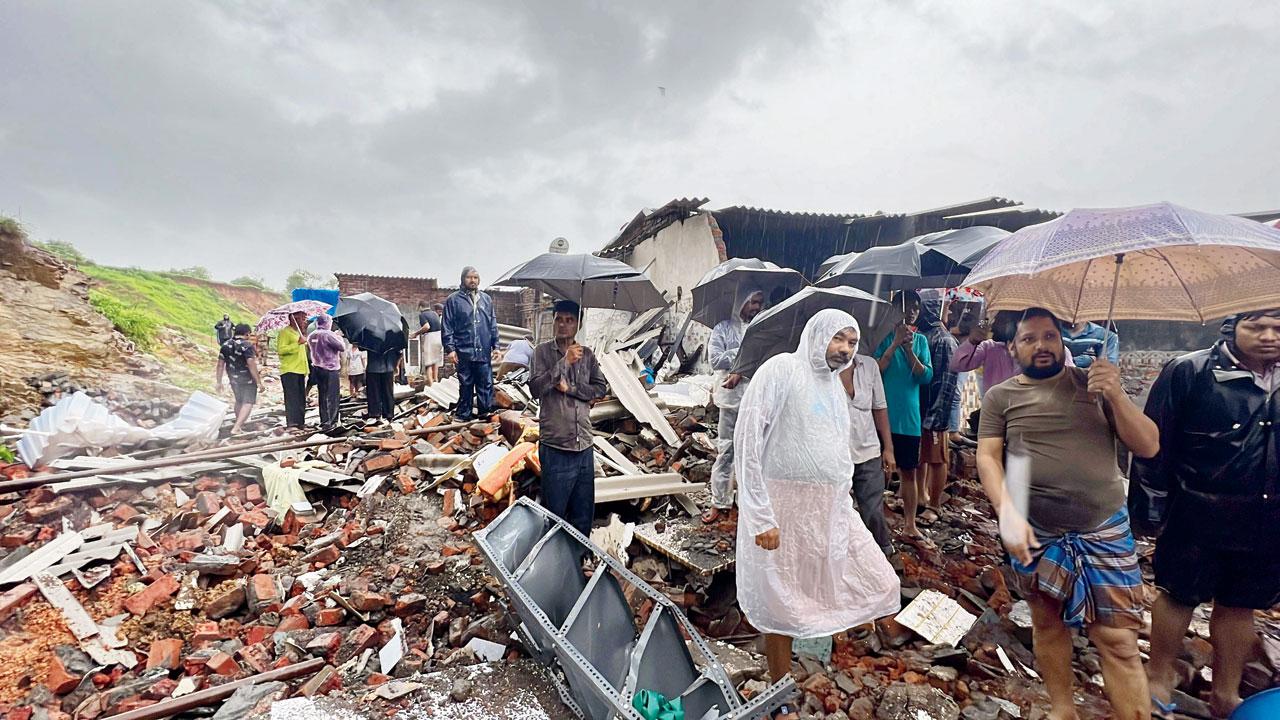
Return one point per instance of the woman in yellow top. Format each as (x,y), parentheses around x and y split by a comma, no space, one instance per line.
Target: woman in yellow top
(291,344)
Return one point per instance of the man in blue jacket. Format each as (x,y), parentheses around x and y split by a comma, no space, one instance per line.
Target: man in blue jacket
(470,334)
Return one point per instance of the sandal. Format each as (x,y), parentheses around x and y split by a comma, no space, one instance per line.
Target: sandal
(1163,710)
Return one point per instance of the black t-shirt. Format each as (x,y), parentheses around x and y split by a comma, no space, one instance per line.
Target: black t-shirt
(236,353)
(431,319)
(225,330)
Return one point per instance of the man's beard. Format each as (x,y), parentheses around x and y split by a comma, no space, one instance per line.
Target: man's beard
(1043,373)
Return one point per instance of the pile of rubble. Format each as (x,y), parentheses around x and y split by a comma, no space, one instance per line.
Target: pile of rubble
(342,572)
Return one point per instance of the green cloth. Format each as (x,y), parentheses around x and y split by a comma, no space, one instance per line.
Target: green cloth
(293,355)
(653,706)
(902,387)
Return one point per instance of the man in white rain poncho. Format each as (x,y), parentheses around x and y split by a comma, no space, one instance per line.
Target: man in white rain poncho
(726,338)
(807,566)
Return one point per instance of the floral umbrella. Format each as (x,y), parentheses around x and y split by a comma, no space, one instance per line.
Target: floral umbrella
(1151,262)
(279,317)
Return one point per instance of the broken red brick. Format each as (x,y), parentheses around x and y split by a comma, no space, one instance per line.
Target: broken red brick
(223,664)
(291,524)
(207,503)
(403,456)
(255,634)
(165,654)
(451,550)
(258,657)
(410,603)
(209,482)
(123,512)
(322,682)
(324,556)
(358,640)
(162,690)
(325,644)
(60,680)
(405,483)
(378,462)
(293,622)
(294,605)
(366,601)
(255,518)
(226,603)
(253,493)
(15,598)
(140,603)
(18,538)
(390,444)
(329,617)
(39,512)
(262,591)
(207,632)
(377,679)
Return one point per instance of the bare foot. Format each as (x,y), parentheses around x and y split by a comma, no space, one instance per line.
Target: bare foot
(710,516)
(1222,707)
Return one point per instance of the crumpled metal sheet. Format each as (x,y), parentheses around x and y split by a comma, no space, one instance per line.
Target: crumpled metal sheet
(587,629)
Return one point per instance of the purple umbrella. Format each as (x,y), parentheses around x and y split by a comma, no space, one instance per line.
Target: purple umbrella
(279,317)
(1151,262)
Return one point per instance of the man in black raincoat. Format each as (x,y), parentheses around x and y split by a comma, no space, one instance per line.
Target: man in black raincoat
(1215,489)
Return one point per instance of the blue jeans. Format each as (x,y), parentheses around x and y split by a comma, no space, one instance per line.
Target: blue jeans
(569,485)
(475,386)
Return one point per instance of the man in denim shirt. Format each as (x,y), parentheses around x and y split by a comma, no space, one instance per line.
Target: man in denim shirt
(470,334)
(1088,341)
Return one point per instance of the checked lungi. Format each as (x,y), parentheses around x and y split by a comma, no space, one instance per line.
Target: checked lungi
(1093,574)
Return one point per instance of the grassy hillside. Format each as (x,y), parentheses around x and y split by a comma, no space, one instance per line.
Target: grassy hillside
(139,302)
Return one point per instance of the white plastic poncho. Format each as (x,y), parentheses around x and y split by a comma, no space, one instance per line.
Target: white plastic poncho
(726,339)
(794,473)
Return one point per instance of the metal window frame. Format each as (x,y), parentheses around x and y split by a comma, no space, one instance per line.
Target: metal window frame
(588,693)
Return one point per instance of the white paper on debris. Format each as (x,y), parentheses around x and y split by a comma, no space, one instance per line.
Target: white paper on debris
(79,422)
(937,618)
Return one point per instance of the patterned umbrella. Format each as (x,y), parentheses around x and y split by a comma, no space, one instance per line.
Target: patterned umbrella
(279,317)
(1151,262)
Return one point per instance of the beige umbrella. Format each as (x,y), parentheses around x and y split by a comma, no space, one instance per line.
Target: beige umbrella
(1149,262)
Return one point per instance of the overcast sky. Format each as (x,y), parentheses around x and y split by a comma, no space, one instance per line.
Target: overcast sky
(410,138)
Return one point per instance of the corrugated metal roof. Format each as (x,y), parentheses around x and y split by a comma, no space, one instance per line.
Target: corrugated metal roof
(649,222)
(788,213)
(354,276)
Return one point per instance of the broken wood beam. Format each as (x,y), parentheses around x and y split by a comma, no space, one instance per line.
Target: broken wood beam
(169,708)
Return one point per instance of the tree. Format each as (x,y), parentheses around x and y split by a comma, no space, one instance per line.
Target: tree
(253,281)
(306,279)
(195,271)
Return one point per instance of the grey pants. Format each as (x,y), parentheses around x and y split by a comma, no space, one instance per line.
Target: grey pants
(722,470)
(868,493)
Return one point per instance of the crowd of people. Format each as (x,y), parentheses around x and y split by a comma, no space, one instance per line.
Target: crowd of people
(809,443)
(1053,418)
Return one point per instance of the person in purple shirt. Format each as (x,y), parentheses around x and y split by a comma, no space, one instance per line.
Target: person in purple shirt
(326,359)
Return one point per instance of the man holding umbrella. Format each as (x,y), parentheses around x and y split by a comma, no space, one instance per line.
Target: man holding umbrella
(470,335)
(1216,488)
(726,339)
(291,345)
(565,378)
(1046,456)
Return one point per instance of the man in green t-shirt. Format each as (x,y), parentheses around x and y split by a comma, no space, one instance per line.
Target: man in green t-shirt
(906,366)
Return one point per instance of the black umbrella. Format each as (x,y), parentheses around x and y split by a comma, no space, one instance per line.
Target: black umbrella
(716,295)
(778,329)
(935,260)
(588,280)
(372,323)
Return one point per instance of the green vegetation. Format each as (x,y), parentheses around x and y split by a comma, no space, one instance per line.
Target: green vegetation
(131,321)
(196,271)
(65,250)
(6,455)
(139,302)
(253,281)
